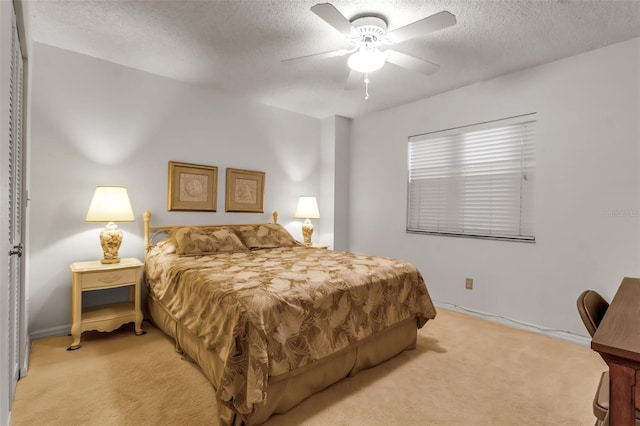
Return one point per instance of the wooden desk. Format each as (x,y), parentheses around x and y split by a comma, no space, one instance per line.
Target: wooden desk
(617,339)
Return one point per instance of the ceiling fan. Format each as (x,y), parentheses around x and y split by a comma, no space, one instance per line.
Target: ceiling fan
(368,35)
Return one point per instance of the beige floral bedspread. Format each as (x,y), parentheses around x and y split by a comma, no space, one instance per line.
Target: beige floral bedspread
(266,312)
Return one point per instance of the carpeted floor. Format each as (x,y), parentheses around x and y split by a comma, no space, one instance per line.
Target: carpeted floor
(465,371)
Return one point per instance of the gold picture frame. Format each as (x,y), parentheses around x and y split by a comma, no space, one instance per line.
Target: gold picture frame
(245,191)
(192,187)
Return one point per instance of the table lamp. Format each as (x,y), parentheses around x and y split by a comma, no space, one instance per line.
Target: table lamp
(307,209)
(110,204)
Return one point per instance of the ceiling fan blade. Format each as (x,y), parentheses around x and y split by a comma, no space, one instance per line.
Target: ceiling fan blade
(354,80)
(333,17)
(411,62)
(422,27)
(314,57)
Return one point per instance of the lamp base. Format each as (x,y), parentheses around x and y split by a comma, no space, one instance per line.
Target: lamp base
(307,232)
(111,238)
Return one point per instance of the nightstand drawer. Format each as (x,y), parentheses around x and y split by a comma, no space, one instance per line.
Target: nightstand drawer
(95,280)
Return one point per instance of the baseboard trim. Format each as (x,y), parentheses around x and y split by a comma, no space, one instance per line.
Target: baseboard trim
(60,330)
(25,362)
(558,334)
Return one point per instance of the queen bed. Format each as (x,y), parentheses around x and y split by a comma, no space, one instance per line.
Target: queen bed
(270,321)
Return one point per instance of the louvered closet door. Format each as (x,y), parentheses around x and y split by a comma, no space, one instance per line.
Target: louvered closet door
(16,207)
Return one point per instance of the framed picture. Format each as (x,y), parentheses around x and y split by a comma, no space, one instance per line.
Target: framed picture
(192,187)
(245,191)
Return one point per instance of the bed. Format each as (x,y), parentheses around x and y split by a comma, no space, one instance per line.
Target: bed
(271,321)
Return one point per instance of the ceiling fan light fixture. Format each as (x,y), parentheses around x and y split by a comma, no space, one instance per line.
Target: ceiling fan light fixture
(367,60)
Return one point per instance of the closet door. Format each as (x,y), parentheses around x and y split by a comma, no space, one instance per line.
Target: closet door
(16,204)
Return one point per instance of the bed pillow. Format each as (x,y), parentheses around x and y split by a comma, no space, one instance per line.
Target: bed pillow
(194,241)
(266,236)
(166,246)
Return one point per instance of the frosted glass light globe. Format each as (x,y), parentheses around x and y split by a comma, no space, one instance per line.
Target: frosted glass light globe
(366,61)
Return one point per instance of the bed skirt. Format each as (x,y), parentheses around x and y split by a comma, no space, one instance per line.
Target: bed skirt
(287,390)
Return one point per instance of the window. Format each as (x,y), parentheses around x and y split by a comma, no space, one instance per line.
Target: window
(474,181)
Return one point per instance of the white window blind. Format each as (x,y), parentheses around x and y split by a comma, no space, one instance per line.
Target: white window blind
(474,181)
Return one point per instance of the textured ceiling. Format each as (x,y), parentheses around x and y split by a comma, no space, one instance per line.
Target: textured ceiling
(236,46)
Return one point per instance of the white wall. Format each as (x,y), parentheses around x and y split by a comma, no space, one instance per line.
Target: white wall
(98,123)
(334,183)
(588,189)
(95,123)
(342,193)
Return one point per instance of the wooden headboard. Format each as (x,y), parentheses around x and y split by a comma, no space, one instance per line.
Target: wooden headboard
(152,232)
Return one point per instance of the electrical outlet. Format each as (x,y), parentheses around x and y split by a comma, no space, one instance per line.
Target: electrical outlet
(468,283)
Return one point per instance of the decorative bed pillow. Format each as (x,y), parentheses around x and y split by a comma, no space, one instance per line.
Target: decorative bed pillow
(194,241)
(266,236)
(166,246)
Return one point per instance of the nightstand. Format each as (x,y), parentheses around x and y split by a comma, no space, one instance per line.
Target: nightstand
(94,275)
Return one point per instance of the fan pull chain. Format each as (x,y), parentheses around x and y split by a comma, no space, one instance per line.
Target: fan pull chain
(366,86)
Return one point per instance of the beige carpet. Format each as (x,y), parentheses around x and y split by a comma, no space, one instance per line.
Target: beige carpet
(465,371)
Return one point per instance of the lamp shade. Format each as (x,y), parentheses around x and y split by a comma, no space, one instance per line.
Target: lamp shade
(110,204)
(307,208)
